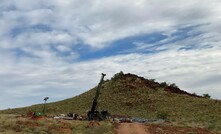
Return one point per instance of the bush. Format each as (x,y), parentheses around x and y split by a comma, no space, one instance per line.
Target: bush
(152,80)
(117,76)
(105,128)
(206,96)
(194,93)
(174,85)
(163,84)
(162,115)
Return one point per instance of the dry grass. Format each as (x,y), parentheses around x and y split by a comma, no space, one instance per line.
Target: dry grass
(10,124)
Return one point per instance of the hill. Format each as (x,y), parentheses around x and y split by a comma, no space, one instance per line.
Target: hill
(131,95)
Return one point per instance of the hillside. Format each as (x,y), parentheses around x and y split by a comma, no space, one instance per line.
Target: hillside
(131,95)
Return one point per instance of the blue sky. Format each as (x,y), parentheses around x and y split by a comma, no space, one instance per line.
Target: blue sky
(59,48)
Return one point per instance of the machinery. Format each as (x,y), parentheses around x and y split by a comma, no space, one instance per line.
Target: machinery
(39,114)
(94,114)
(45,99)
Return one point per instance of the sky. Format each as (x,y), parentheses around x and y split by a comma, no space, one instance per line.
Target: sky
(60,48)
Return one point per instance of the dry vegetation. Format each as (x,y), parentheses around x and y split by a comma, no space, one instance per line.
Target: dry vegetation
(10,124)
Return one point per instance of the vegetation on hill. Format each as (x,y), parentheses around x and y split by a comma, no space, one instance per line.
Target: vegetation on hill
(135,96)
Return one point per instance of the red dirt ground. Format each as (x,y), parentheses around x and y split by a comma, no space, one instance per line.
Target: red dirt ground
(136,128)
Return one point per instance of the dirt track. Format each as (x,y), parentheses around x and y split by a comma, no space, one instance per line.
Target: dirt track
(131,128)
(138,128)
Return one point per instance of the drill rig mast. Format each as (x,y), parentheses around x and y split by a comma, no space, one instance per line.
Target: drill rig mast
(94,114)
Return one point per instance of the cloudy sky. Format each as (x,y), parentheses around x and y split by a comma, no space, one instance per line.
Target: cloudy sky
(60,48)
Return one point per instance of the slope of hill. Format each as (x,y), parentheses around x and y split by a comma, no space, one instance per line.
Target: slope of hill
(131,95)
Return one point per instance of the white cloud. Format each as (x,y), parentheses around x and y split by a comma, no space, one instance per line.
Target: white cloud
(98,23)
(35,27)
(34,79)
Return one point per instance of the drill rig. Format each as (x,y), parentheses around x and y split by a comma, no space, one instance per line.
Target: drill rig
(95,114)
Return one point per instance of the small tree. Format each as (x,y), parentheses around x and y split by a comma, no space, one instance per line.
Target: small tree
(152,80)
(194,93)
(163,84)
(117,76)
(206,96)
(174,85)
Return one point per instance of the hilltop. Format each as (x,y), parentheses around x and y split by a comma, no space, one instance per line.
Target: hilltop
(132,95)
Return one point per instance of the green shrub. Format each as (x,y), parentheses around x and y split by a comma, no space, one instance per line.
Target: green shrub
(174,85)
(103,129)
(162,115)
(163,84)
(206,96)
(117,76)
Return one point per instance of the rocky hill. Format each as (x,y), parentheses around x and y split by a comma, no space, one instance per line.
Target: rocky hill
(131,95)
